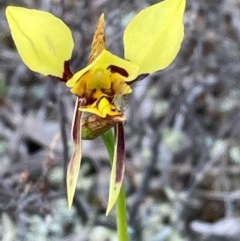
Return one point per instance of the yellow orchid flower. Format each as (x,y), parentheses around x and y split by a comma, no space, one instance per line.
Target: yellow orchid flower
(151,40)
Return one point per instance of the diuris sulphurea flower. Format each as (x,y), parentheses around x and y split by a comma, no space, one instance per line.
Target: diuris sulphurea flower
(151,41)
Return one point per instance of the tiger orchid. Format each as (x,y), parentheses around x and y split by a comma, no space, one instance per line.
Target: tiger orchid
(151,41)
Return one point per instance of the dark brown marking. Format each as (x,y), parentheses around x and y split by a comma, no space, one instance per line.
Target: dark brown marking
(76,124)
(67,73)
(116,69)
(120,165)
(139,78)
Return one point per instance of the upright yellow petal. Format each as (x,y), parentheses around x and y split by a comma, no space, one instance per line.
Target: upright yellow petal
(98,43)
(154,36)
(43,41)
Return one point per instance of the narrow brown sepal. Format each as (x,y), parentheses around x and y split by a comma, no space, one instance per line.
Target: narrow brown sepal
(75,161)
(118,167)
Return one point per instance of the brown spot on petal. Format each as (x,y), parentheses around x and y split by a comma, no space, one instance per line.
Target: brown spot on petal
(67,74)
(116,69)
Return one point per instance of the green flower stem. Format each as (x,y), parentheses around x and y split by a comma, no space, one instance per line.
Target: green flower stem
(121,218)
(122,226)
(108,140)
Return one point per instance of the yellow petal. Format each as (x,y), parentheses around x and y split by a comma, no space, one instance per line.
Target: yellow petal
(101,108)
(43,41)
(75,161)
(118,167)
(104,61)
(154,36)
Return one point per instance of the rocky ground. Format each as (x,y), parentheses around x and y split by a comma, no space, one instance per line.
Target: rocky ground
(182,135)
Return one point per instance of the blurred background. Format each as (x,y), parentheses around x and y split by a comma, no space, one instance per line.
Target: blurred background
(182,134)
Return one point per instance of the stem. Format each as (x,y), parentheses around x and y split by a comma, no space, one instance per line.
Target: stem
(122,226)
(108,140)
(121,218)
